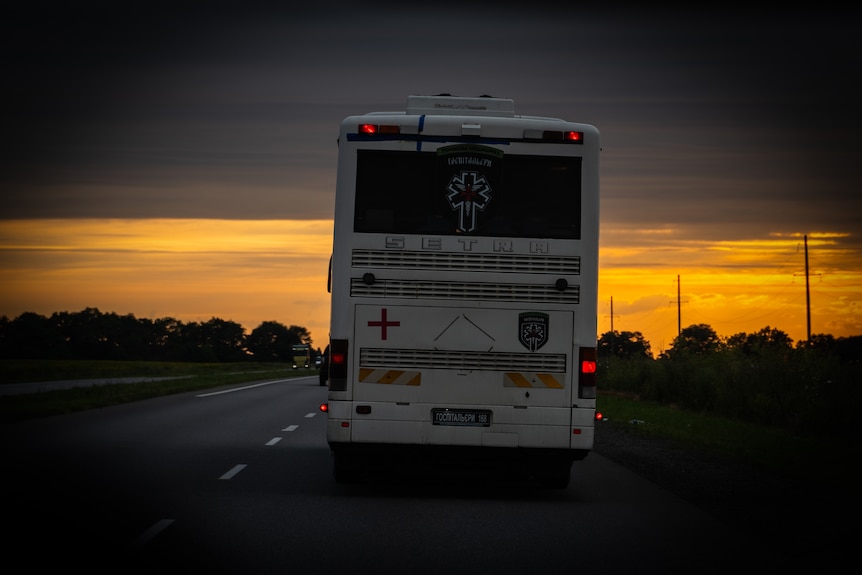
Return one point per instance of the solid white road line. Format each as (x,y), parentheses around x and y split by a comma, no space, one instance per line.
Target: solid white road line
(241,388)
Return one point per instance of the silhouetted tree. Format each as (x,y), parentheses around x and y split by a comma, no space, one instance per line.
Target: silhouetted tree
(301,333)
(624,344)
(271,341)
(696,339)
(169,341)
(32,336)
(766,340)
(224,339)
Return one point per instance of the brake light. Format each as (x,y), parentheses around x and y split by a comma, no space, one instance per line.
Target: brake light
(570,137)
(371,129)
(587,373)
(324,407)
(338,365)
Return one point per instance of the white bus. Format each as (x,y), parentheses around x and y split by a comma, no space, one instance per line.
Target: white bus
(464,278)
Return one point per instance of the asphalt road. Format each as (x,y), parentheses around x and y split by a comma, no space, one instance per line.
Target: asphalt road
(239,481)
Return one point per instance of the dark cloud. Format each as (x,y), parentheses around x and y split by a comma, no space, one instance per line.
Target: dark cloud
(706,117)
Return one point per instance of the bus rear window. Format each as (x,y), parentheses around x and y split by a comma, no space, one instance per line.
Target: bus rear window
(469,190)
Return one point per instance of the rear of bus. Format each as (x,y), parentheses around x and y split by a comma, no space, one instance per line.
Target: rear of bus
(464,289)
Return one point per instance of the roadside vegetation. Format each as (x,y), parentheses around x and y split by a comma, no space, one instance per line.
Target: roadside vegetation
(811,389)
(754,398)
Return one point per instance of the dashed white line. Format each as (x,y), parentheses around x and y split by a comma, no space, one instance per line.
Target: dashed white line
(309,415)
(291,428)
(154,530)
(273,441)
(236,469)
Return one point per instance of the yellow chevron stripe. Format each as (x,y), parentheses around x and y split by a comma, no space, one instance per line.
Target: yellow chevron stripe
(548,380)
(390,376)
(517,379)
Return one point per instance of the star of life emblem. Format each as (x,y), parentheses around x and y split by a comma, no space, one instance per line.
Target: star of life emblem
(468,192)
(533,329)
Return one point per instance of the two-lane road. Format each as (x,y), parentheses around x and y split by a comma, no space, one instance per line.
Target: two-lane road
(239,481)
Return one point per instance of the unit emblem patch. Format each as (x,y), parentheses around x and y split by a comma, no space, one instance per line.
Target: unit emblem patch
(533,329)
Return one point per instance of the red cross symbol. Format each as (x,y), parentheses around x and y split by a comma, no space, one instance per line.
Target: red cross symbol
(383,323)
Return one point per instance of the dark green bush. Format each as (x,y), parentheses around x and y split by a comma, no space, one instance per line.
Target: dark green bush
(801,390)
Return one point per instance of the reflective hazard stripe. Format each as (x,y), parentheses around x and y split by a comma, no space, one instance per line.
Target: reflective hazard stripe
(389,376)
(532,380)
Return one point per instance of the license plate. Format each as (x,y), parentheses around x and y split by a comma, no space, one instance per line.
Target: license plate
(461,417)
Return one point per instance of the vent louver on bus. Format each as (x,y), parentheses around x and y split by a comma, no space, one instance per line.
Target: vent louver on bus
(475,262)
(450,359)
(463,290)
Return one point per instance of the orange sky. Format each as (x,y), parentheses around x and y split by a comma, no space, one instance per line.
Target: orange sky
(168,166)
(251,271)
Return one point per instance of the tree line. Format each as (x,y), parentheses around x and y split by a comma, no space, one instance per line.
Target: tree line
(811,387)
(93,335)
(701,339)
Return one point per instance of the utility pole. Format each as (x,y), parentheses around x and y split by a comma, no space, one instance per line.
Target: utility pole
(807,290)
(807,293)
(678,308)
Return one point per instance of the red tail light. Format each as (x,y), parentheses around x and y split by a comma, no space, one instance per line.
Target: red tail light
(381,129)
(338,365)
(587,373)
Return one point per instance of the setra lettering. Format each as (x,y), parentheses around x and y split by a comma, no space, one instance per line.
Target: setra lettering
(467,243)
(539,248)
(394,242)
(500,245)
(432,243)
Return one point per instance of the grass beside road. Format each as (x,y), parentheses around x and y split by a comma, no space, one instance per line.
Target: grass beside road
(815,458)
(185,377)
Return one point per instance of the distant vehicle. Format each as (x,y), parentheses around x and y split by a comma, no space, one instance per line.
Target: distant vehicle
(301,355)
(464,282)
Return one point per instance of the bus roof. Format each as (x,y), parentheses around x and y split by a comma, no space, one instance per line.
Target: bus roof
(460,106)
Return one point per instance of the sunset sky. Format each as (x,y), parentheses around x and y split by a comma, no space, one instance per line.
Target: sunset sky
(182,164)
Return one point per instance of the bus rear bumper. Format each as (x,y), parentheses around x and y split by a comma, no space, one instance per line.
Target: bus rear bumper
(356,462)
